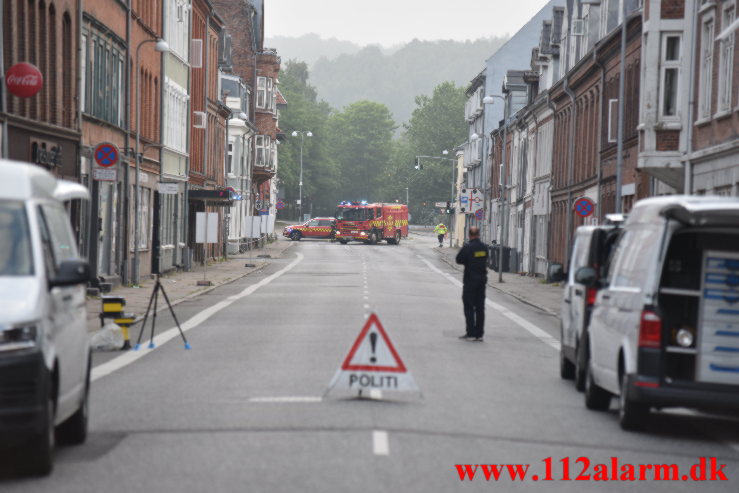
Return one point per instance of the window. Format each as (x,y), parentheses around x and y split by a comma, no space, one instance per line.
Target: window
(670,70)
(229,158)
(706,68)
(270,94)
(144,217)
(16,255)
(62,240)
(261,92)
(630,264)
(176,31)
(103,82)
(176,101)
(260,150)
(726,64)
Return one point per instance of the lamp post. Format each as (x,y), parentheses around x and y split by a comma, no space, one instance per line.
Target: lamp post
(490,100)
(162,47)
(303,134)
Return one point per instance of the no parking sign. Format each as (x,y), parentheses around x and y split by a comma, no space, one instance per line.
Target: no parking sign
(106,154)
(584,207)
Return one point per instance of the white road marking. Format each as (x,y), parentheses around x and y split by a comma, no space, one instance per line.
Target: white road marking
(380,445)
(533,329)
(366,306)
(287,399)
(129,357)
(366,297)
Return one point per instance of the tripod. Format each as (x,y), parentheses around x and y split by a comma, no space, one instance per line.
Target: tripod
(155,298)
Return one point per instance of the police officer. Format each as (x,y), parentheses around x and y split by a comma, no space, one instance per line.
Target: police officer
(473,256)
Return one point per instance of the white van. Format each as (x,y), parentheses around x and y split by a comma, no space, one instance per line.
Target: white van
(664,330)
(44,350)
(591,248)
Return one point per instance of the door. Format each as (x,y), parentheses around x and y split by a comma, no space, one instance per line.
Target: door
(156,240)
(67,313)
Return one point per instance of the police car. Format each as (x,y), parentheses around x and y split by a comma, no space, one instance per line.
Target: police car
(318,227)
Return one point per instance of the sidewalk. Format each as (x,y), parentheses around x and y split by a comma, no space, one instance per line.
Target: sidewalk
(530,290)
(181,286)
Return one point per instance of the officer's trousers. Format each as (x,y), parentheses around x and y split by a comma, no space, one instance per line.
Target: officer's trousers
(473,299)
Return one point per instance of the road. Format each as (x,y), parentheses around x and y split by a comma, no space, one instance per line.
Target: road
(245,411)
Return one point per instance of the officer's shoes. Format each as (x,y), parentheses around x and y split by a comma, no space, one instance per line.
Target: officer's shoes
(476,339)
(465,337)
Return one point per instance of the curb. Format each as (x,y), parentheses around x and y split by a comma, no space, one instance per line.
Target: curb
(174,303)
(501,290)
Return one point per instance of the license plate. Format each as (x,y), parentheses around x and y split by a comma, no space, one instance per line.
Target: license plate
(355,232)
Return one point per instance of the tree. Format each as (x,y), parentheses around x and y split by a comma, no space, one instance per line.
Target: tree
(305,113)
(361,138)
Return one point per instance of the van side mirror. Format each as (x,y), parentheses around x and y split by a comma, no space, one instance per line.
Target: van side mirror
(586,276)
(556,273)
(71,272)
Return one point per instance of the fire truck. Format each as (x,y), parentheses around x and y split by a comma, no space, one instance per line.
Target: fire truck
(371,223)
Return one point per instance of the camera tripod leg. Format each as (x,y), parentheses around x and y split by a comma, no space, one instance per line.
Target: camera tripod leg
(143,325)
(157,286)
(166,298)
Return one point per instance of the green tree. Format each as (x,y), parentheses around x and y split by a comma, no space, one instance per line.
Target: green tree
(361,139)
(305,113)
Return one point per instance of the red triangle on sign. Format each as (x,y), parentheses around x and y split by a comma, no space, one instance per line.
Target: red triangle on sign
(396,365)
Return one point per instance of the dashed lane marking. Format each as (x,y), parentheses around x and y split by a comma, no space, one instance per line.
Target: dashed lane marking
(286,399)
(129,357)
(380,444)
(533,329)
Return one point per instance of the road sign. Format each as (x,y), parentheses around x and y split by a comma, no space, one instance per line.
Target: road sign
(104,174)
(584,207)
(106,154)
(373,363)
(280,205)
(168,188)
(439,204)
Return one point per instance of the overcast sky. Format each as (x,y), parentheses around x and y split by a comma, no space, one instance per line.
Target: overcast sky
(389,22)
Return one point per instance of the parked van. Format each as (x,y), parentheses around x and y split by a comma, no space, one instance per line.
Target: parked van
(591,248)
(665,326)
(44,350)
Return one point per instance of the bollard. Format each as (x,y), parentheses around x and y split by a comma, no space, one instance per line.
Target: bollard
(124,322)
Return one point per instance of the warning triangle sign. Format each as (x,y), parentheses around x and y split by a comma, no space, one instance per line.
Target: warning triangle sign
(373,362)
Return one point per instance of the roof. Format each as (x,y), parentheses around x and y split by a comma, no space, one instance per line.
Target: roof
(281,101)
(24,181)
(688,209)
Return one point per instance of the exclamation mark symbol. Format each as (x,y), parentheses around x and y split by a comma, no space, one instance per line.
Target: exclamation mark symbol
(373,343)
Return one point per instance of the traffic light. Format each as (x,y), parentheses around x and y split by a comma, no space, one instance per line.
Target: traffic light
(449,209)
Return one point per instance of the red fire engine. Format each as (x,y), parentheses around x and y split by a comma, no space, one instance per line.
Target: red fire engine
(370,223)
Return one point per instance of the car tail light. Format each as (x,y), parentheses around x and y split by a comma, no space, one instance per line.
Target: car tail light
(590,296)
(650,330)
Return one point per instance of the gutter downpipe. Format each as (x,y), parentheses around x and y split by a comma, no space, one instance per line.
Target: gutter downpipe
(552,107)
(602,68)
(570,166)
(207,127)
(688,171)
(4,100)
(621,95)
(186,254)
(123,168)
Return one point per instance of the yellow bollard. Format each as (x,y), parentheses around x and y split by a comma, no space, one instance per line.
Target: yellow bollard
(124,322)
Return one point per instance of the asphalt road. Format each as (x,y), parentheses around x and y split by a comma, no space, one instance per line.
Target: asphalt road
(245,410)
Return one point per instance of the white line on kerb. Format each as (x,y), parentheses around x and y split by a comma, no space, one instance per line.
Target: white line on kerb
(534,330)
(129,357)
(380,444)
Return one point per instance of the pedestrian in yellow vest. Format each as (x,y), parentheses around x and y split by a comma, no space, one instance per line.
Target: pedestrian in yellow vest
(440,231)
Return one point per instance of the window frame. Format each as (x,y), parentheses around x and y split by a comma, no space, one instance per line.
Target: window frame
(672,66)
(705,84)
(726,61)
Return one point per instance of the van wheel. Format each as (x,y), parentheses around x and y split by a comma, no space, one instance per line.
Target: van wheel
(373,238)
(397,238)
(74,430)
(295,236)
(631,415)
(38,459)
(596,398)
(566,368)
(343,242)
(581,363)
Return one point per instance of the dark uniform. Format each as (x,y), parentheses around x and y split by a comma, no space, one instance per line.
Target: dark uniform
(473,256)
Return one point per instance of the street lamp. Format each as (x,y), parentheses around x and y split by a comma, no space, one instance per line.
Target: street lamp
(490,100)
(454,165)
(162,47)
(303,134)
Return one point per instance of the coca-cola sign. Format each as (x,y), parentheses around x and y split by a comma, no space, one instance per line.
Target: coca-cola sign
(24,80)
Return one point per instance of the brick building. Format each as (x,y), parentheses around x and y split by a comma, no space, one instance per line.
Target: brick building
(44,129)
(207,192)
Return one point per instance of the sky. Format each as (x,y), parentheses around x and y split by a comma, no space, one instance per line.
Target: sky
(390,22)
